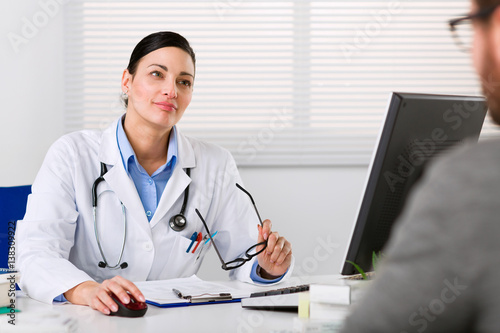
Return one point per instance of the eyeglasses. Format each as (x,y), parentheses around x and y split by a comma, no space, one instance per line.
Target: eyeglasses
(249,254)
(462,29)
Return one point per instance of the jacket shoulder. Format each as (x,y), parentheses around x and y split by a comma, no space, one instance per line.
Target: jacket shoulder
(472,161)
(209,150)
(73,147)
(78,140)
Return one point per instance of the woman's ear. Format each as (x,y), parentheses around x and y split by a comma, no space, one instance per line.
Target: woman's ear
(126,80)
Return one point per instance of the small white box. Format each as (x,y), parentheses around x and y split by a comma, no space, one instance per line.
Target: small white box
(8,282)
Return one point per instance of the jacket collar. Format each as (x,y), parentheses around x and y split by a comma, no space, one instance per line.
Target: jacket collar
(121,183)
(109,152)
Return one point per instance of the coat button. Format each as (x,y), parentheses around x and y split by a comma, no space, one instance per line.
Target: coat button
(148,246)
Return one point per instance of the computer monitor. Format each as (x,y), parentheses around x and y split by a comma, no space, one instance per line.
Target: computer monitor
(417,127)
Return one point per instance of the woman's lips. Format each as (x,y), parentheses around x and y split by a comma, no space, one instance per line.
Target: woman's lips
(166,106)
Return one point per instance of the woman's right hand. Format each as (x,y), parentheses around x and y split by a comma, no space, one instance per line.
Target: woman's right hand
(97,295)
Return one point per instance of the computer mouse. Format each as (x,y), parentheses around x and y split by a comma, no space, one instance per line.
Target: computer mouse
(133,309)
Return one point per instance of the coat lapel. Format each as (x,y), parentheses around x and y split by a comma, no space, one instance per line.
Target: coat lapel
(175,188)
(179,180)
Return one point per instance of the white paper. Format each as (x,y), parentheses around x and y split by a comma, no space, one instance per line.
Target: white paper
(160,291)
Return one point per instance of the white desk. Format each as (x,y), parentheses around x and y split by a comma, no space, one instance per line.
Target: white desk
(229,317)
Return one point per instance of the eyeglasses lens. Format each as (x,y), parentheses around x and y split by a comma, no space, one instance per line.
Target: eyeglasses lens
(464,35)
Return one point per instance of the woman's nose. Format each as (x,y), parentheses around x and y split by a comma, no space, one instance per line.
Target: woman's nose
(169,89)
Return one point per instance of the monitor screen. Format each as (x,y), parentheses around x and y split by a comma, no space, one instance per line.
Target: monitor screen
(417,127)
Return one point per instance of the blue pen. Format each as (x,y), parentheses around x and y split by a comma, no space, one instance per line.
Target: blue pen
(193,239)
(213,235)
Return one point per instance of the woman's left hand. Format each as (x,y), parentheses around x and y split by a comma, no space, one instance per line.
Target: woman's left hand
(277,257)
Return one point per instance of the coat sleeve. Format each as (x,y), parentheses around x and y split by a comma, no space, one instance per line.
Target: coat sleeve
(46,234)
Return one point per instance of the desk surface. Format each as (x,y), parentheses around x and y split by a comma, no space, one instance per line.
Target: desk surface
(229,317)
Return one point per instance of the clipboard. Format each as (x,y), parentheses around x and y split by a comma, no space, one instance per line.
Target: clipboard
(204,298)
(187,292)
(177,305)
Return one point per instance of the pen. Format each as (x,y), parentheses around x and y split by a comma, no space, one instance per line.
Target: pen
(193,239)
(198,241)
(204,240)
(177,292)
(213,235)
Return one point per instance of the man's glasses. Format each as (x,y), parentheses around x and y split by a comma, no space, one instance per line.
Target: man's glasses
(249,254)
(462,28)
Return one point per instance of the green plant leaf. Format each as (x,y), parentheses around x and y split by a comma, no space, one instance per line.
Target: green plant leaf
(359,269)
(376,257)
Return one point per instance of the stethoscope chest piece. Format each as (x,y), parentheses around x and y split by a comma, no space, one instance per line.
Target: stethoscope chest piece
(177,222)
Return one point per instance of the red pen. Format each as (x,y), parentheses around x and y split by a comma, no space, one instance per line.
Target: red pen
(198,241)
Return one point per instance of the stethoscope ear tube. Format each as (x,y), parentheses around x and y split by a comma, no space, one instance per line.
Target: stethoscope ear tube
(177,222)
(104,262)
(104,169)
(186,194)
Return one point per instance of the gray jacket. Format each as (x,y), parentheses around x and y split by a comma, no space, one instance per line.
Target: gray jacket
(441,272)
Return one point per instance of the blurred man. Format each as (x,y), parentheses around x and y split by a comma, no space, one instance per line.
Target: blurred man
(441,272)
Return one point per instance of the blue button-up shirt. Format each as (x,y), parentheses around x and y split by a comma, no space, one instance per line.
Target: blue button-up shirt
(150,188)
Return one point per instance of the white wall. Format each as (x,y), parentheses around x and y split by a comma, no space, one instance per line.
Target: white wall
(313,207)
(31,88)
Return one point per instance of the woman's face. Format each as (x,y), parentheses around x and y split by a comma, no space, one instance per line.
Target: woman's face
(161,88)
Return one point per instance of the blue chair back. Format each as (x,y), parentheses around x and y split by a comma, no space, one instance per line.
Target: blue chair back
(12,208)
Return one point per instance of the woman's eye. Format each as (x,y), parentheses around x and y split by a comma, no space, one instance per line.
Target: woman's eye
(157,74)
(185,83)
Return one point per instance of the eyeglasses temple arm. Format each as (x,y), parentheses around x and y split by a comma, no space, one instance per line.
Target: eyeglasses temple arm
(253,203)
(211,239)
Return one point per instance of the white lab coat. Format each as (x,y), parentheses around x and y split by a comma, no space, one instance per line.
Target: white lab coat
(56,243)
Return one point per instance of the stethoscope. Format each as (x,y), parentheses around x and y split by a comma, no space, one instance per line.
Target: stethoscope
(177,222)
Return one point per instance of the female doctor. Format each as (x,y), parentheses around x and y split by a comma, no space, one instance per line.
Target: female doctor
(143,169)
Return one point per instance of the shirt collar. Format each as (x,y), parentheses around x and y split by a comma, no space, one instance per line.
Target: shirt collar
(127,152)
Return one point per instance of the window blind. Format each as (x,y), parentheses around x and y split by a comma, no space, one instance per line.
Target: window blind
(278,83)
